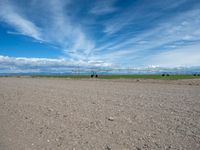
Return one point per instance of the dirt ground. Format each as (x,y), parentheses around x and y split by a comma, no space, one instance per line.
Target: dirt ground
(90,114)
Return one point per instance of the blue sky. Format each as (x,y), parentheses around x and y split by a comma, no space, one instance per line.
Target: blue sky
(55,34)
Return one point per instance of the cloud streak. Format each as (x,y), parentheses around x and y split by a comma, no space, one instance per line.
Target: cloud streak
(132,33)
(56,28)
(103,7)
(38,65)
(189,56)
(18,22)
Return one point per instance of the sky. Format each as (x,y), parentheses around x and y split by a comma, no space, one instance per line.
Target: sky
(52,35)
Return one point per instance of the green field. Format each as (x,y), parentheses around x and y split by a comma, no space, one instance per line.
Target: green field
(171,77)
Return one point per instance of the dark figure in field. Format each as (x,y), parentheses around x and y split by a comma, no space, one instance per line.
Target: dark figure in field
(163,75)
(96,76)
(194,74)
(92,75)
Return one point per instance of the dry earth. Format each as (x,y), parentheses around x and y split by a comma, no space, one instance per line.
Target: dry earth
(71,114)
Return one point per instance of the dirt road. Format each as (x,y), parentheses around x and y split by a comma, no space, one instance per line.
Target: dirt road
(69,114)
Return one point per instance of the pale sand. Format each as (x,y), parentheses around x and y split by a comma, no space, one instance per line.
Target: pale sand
(62,114)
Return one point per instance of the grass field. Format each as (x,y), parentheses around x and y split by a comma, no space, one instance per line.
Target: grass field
(171,77)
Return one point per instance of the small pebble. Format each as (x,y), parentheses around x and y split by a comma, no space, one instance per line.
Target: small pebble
(108,148)
(111,119)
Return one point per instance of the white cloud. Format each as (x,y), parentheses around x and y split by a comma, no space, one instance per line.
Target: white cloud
(67,34)
(17,21)
(173,33)
(103,7)
(25,65)
(188,56)
(139,13)
(56,27)
(52,21)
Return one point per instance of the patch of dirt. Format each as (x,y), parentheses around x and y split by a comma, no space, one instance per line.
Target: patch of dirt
(60,114)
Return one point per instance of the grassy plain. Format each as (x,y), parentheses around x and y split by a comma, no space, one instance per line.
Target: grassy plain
(170,77)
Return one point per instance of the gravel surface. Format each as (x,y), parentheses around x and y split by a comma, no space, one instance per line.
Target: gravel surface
(89,114)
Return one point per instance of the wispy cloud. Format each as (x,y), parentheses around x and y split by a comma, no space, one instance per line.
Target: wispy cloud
(57,28)
(140,14)
(189,56)
(103,7)
(173,33)
(66,33)
(131,34)
(9,15)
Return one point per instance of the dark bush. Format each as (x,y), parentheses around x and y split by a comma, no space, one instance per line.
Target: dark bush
(96,76)
(163,75)
(92,76)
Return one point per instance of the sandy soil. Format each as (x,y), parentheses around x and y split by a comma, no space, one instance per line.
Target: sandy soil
(62,114)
